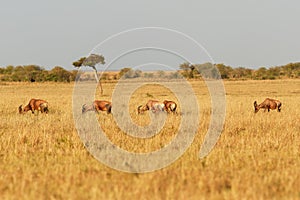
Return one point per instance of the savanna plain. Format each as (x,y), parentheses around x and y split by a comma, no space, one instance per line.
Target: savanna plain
(256,157)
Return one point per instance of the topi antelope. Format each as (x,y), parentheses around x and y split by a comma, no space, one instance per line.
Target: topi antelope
(98,105)
(268,104)
(153,105)
(170,106)
(35,104)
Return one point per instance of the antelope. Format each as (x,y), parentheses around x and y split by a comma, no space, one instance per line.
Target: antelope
(170,106)
(98,105)
(268,104)
(153,105)
(35,104)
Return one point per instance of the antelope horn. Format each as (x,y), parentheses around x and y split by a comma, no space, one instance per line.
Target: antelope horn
(255,103)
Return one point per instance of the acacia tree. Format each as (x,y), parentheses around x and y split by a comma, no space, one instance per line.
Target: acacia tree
(91,61)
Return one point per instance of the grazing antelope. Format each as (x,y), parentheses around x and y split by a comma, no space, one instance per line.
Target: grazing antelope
(153,105)
(268,104)
(98,105)
(170,106)
(35,104)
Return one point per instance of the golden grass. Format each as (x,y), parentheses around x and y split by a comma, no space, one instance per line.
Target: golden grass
(256,157)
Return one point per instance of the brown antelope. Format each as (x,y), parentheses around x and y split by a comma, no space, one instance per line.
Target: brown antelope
(170,106)
(268,104)
(98,105)
(153,105)
(35,104)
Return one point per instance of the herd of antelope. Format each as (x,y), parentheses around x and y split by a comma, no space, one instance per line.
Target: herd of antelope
(157,106)
(152,105)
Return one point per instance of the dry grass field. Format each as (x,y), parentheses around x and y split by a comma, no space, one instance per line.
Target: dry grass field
(256,157)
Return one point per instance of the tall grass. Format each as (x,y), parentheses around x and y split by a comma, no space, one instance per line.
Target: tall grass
(257,155)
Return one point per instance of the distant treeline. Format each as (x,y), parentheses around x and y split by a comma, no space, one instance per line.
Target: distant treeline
(291,70)
(35,73)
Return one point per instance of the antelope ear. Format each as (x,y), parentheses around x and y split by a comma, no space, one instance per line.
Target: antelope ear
(255,103)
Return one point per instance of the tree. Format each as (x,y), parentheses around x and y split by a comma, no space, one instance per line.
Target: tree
(175,75)
(124,71)
(9,69)
(207,70)
(186,67)
(148,75)
(59,74)
(137,73)
(261,73)
(32,72)
(91,61)
(222,69)
(19,74)
(161,74)
(130,73)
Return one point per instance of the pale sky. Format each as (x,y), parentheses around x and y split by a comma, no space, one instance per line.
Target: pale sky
(247,33)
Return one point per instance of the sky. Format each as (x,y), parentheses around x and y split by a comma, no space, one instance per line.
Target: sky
(248,33)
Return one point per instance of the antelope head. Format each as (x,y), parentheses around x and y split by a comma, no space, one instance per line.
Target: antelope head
(256,108)
(24,110)
(108,108)
(83,108)
(20,109)
(140,109)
